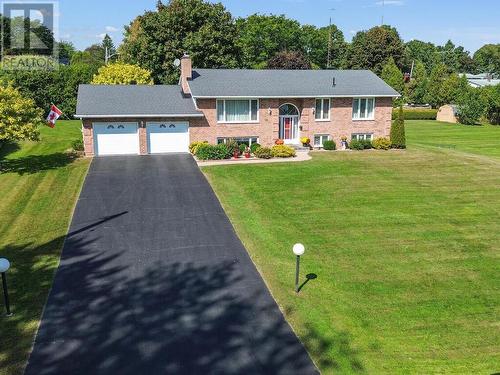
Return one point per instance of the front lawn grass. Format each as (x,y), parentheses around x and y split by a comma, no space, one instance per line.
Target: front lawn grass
(40,183)
(405,246)
(476,140)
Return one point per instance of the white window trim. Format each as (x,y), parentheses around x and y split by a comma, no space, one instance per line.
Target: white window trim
(367,118)
(363,134)
(225,139)
(237,122)
(322,103)
(328,137)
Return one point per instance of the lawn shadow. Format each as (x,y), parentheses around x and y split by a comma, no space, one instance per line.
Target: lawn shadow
(7,148)
(309,276)
(36,163)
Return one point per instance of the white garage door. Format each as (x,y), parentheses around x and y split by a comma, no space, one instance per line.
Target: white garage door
(164,137)
(116,138)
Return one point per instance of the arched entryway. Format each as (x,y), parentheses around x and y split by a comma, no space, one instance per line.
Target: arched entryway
(289,123)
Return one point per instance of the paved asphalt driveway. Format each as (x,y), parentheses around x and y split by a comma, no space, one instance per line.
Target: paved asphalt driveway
(153,280)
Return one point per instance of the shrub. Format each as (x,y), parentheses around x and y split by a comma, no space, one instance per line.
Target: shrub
(329,145)
(232,146)
(398,137)
(254,147)
(382,143)
(305,140)
(206,151)
(77,145)
(356,145)
(367,144)
(491,98)
(470,106)
(263,153)
(194,146)
(282,151)
(416,114)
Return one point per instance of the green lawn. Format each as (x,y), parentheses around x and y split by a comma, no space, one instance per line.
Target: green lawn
(477,140)
(39,184)
(405,246)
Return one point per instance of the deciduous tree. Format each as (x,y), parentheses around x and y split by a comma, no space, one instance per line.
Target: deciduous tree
(371,49)
(487,59)
(20,119)
(204,30)
(263,36)
(122,74)
(289,60)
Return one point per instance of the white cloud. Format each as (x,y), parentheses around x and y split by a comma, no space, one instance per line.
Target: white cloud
(111,29)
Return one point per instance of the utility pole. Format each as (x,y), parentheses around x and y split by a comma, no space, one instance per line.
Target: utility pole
(330,42)
(383,9)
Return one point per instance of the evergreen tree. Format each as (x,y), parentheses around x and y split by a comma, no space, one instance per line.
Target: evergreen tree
(435,90)
(417,87)
(398,137)
(108,45)
(394,78)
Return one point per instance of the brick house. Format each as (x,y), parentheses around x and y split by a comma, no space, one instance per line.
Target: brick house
(249,105)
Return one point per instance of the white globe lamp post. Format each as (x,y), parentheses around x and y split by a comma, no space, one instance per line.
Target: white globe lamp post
(4,266)
(298,250)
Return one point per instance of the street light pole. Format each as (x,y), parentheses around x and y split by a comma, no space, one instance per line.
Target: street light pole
(4,266)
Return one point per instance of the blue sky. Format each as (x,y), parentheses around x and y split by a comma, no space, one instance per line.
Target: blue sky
(467,23)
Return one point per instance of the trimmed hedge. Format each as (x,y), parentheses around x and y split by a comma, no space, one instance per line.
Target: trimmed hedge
(360,145)
(416,114)
(329,145)
(206,151)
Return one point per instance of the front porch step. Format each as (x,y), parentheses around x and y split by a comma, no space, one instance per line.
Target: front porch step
(299,147)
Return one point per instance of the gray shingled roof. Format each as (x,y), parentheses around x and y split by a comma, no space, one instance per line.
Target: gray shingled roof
(133,100)
(212,83)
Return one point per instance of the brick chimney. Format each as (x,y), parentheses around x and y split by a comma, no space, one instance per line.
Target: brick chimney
(186,73)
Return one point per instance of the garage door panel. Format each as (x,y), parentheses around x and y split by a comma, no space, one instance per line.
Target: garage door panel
(116,138)
(168,137)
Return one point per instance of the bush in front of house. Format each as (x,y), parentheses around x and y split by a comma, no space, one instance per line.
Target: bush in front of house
(254,147)
(206,151)
(263,153)
(194,146)
(77,145)
(282,151)
(367,145)
(382,143)
(243,148)
(232,146)
(398,137)
(329,145)
(356,145)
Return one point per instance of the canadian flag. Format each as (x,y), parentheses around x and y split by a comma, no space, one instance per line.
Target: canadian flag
(54,114)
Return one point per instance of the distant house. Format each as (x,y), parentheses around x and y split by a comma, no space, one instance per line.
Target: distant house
(481,80)
(448,113)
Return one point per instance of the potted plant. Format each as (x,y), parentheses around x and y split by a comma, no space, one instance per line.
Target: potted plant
(247,153)
(306,142)
(279,142)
